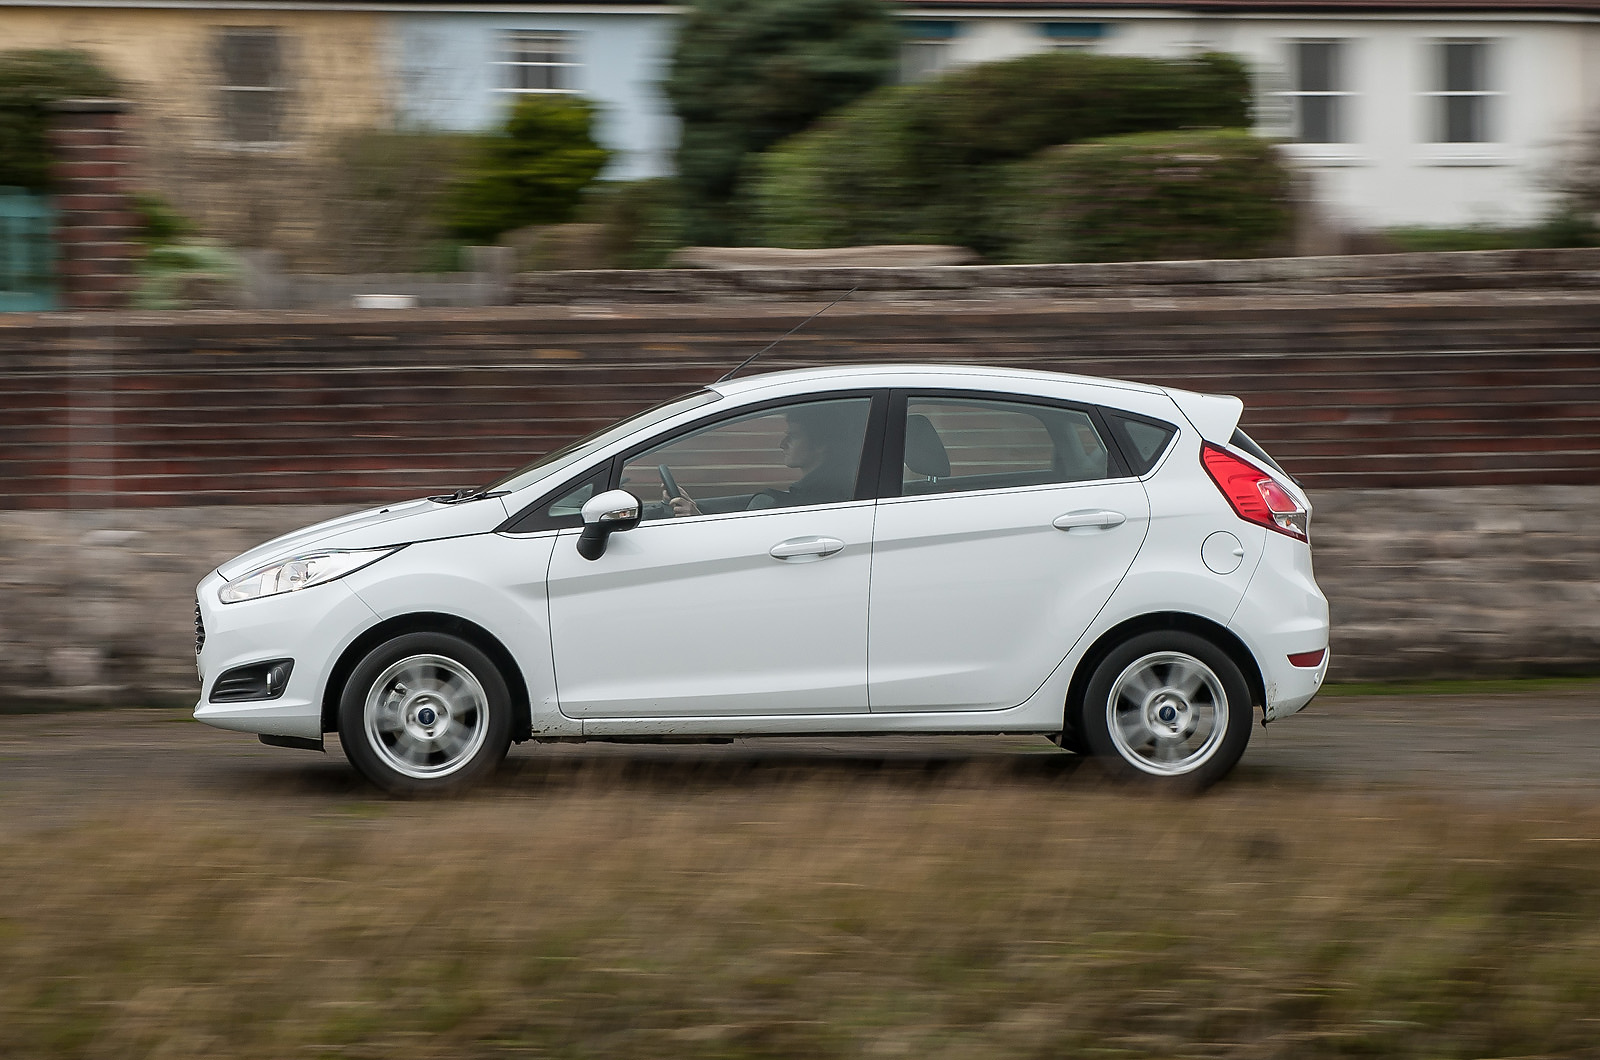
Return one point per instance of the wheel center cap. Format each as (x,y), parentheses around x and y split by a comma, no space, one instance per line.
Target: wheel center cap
(1167,713)
(427,716)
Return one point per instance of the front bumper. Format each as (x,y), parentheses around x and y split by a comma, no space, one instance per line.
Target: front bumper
(312,626)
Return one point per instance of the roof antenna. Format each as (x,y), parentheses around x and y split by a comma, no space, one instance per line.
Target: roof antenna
(740,366)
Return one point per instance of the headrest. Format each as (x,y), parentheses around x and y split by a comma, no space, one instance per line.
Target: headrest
(925,452)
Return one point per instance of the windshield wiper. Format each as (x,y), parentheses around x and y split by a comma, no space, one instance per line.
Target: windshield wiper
(467,493)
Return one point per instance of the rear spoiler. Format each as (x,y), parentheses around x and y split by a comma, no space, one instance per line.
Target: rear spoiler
(1215,416)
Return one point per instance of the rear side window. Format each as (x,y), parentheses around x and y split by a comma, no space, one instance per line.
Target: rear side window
(955,445)
(1142,440)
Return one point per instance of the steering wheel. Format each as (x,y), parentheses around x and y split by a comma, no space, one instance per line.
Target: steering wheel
(668,482)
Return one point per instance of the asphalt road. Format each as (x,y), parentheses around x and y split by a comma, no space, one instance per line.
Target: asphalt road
(1533,744)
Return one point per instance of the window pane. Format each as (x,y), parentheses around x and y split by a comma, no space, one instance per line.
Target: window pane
(1464,119)
(801,454)
(538,61)
(922,59)
(1464,66)
(1145,441)
(250,117)
(1319,120)
(572,502)
(249,58)
(973,445)
(1319,66)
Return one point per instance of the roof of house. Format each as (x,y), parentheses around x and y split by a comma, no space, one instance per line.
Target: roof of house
(1280,6)
(952,8)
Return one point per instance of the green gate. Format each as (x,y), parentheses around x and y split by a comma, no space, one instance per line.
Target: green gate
(27,252)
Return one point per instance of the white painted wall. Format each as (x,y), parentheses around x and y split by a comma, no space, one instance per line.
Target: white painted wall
(1547,69)
(446,77)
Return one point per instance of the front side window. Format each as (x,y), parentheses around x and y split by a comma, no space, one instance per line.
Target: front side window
(251,84)
(538,61)
(802,454)
(958,444)
(1321,91)
(1463,92)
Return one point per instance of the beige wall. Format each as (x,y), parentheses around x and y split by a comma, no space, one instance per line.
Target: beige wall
(335,67)
(334,59)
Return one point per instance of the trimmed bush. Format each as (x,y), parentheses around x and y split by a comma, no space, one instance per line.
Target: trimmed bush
(533,172)
(29,82)
(915,163)
(1150,197)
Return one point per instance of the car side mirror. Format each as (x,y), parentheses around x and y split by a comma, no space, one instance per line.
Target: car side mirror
(609,513)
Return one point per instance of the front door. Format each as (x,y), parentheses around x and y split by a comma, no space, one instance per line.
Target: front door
(1013,528)
(743,592)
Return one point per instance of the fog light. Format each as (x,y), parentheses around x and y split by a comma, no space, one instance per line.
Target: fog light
(263,680)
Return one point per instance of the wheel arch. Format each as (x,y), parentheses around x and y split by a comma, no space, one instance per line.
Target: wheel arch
(1215,632)
(430,622)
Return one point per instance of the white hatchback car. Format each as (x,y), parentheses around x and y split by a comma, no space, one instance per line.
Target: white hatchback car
(866,550)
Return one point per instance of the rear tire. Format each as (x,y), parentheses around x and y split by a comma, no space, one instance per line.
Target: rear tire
(1168,709)
(425,713)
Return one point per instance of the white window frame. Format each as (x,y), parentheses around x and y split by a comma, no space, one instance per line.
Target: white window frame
(1346,151)
(1340,112)
(1438,151)
(226,89)
(562,44)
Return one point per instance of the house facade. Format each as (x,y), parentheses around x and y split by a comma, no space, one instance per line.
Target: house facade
(1401,112)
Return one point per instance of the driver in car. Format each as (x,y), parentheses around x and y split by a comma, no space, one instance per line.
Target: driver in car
(824,444)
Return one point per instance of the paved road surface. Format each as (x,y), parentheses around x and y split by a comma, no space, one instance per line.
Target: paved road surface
(1493,746)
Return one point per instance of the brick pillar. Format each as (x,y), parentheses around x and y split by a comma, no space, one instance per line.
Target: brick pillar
(95,217)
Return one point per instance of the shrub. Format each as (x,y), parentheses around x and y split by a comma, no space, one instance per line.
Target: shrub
(533,172)
(913,163)
(1150,196)
(747,74)
(29,82)
(387,197)
(641,221)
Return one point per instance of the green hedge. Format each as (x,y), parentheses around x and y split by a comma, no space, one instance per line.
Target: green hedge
(1147,197)
(532,172)
(29,82)
(914,163)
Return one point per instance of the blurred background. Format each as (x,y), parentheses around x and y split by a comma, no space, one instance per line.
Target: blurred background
(267,264)
(263,263)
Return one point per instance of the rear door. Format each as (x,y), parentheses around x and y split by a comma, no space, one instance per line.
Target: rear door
(1006,523)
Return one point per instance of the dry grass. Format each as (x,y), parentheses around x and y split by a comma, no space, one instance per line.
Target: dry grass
(829,915)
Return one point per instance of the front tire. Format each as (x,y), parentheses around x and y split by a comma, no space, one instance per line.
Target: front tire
(425,713)
(1167,708)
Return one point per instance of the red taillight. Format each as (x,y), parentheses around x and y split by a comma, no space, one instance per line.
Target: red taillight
(1255,495)
(1308,658)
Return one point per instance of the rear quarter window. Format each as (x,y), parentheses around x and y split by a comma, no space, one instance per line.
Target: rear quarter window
(1141,439)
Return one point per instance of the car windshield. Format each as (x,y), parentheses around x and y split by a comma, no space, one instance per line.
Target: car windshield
(567,455)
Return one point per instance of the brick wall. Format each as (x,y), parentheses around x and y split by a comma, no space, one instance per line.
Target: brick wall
(1398,390)
(96,222)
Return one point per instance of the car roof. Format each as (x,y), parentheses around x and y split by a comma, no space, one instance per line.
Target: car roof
(943,375)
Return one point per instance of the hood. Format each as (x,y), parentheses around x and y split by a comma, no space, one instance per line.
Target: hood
(393,524)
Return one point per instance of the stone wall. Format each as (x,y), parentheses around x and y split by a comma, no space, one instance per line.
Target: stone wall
(1422,583)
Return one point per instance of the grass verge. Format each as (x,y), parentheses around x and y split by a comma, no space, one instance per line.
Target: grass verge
(808,916)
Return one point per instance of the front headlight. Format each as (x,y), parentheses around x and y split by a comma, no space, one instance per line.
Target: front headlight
(286,576)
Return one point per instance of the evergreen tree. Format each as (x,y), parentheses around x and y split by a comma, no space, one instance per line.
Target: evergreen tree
(749,73)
